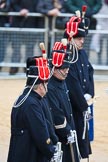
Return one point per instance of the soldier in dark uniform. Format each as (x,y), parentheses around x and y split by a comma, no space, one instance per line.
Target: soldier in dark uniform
(60,104)
(80,80)
(30,137)
(32,61)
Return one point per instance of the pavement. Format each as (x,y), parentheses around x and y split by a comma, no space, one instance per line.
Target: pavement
(6,75)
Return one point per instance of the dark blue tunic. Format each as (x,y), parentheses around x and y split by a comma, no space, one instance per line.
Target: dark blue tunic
(80,81)
(29,132)
(62,114)
(48,116)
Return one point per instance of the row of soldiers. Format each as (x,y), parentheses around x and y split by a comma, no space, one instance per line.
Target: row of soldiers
(49,120)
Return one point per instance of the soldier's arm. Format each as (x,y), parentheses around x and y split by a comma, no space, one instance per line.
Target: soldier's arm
(37,126)
(61,125)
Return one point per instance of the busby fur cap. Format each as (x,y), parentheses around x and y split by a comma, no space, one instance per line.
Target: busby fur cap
(35,61)
(78,25)
(41,73)
(60,57)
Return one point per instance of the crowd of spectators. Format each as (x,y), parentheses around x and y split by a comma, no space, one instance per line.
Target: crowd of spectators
(49,8)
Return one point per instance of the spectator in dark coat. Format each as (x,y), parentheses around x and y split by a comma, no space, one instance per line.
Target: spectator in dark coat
(30,138)
(5,6)
(23,21)
(80,80)
(103,38)
(50,8)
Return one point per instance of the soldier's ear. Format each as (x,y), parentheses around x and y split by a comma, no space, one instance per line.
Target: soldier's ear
(55,71)
(41,86)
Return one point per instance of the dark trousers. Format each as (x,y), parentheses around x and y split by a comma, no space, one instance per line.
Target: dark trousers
(17,42)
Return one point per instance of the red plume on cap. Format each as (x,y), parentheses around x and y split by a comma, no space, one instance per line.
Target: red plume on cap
(64,42)
(58,57)
(42,47)
(57,46)
(42,66)
(84,8)
(72,26)
(38,67)
(42,61)
(43,72)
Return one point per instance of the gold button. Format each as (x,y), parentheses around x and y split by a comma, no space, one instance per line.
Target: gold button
(48,141)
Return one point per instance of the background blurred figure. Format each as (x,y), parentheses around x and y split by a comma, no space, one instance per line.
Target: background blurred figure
(93,7)
(102,22)
(22,21)
(5,6)
(50,8)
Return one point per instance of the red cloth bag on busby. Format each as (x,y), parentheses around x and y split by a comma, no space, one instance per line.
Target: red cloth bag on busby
(60,58)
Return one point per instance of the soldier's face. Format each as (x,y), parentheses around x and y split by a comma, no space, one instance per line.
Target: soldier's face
(45,86)
(62,73)
(43,89)
(79,41)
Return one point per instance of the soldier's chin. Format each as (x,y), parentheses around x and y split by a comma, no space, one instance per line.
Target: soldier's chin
(65,76)
(80,47)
